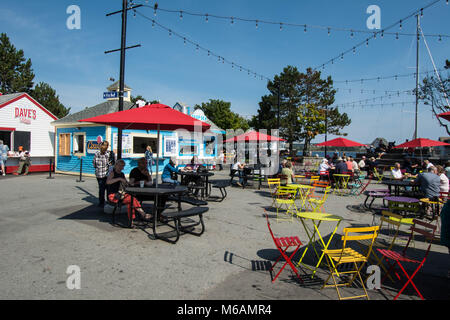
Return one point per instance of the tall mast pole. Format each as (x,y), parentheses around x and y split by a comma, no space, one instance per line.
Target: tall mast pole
(417,75)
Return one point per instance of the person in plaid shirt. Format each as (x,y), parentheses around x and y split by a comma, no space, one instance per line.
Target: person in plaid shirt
(103,161)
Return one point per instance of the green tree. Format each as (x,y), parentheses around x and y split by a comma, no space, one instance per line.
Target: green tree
(46,95)
(220,113)
(436,94)
(304,98)
(16,74)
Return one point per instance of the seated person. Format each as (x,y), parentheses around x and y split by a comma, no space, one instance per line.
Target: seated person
(193,166)
(397,172)
(349,164)
(447,169)
(282,164)
(288,173)
(429,184)
(116,183)
(140,173)
(341,166)
(170,168)
(427,164)
(355,167)
(324,167)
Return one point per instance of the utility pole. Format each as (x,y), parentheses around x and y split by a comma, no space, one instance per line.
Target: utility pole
(326,128)
(417,74)
(122,49)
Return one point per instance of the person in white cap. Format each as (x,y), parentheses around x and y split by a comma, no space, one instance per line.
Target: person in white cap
(324,166)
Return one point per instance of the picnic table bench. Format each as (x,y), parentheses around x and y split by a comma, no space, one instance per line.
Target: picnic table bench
(176,216)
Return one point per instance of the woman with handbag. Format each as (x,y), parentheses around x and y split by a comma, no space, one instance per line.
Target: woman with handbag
(117,182)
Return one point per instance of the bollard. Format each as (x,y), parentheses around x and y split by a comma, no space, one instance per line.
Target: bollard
(50,170)
(81,171)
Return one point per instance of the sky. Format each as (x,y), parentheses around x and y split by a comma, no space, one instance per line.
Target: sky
(73,61)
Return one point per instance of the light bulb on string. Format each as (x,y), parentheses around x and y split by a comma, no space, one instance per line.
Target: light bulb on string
(281,26)
(153,23)
(154,11)
(232,20)
(374,35)
(342,56)
(196,48)
(421,12)
(396,36)
(382,33)
(134,13)
(181,15)
(184,40)
(351,34)
(367,42)
(206,17)
(170,32)
(209,53)
(440,38)
(329,31)
(304,28)
(256,26)
(400,25)
(354,50)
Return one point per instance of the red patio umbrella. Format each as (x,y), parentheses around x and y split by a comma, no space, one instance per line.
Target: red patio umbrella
(150,117)
(341,142)
(445,115)
(254,136)
(421,142)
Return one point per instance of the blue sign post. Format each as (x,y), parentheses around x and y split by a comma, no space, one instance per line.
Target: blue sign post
(109,94)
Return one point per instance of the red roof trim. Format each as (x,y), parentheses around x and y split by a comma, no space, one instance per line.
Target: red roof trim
(7,129)
(37,104)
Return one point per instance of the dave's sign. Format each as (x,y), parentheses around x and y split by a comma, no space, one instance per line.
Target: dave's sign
(25,114)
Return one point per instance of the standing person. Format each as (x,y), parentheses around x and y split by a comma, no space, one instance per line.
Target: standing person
(447,169)
(103,163)
(220,160)
(149,158)
(444,180)
(362,163)
(24,162)
(3,156)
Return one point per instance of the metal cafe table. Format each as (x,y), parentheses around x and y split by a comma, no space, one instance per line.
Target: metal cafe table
(402,205)
(303,192)
(162,190)
(399,183)
(341,183)
(317,218)
(203,175)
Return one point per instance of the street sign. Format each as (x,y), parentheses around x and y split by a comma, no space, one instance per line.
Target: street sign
(109,94)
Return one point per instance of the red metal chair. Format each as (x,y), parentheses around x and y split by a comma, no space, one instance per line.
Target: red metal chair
(399,257)
(283,244)
(325,175)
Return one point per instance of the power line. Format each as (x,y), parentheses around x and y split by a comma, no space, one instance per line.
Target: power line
(281,24)
(356,105)
(374,36)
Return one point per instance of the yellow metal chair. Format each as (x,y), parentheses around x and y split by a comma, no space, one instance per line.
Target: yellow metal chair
(316,203)
(378,175)
(274,184)
(286,197)
(347,255)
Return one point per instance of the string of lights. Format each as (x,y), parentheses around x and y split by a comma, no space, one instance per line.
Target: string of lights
(373,91)
(396,76)
(387,96)
(198,47)
(374,36)
(257,22)
(356,105)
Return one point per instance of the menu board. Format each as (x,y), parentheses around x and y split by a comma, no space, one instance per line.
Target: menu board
(127,144)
